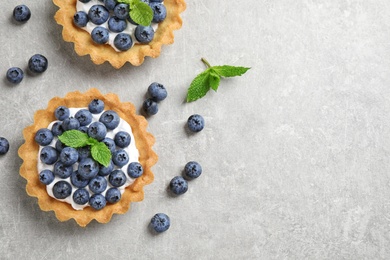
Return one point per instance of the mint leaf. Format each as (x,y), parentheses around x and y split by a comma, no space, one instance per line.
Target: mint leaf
(199,86)
(141,13)
(230,71)
(74,138)
(101,153)
(214,80)
(92,141)
(129,2)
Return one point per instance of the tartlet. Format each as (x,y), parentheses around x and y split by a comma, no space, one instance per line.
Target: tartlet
(28,152)
(99,53)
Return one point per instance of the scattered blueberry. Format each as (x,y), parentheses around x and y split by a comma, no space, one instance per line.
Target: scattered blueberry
(159,12)
(122,139)
(84,117)
(81,19)
(77,180)
(84,152)
(15,75)
(4,145)
(69,156)
(97,130)
(117,178)
(113,195)
(135,170)
(62,190)
(81,196)
(150,107)
(195,123)
(57,129)
(144,34)
(37,63)
(123,41)
(100,35)
(62,113)
(44,136)
(110,144)
(120,158)
(160,222)
(97,201)
(116,25)
(70,123)
(62,170)
(96,106)
(88,168)
(104,171)
(178,185)
(121,11)
(110,119)
(98,184)
(192,170)
(98,14)
(21,13)
(157,91)
(46,177)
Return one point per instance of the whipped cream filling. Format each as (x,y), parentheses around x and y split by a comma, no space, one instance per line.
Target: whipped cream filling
(131,150)
(130,29)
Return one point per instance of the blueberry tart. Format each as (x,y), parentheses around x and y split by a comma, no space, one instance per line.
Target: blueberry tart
(119,31)
(81,154)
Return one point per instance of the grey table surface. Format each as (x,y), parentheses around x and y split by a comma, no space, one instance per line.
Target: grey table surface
(295,152)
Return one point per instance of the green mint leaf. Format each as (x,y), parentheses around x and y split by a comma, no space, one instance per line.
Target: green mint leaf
(92,141)
(141,13)
(229,71)
(199,86)
(101,153)
(129,2)
(74,138)
(214,80)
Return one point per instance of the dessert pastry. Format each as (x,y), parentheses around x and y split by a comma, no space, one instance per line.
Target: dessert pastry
(106,31)
(87,156)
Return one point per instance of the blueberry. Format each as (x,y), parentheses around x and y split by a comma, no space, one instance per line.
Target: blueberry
(83,129)
(37,63)
(122,139)
(135,170)
(57,129)
(113,195)
(110,144)
(84,117)
(46,177)
(60,146)
(48,155)
(62,190)
(97,130)
(106,170)
(77,180)
(84,152)
(110,119)
(88,168)
(15,75)
(69,156)
(159,12)
(157,91)
(98,184)
(195,123)
(123,41)
(21,13)
(44,136)
(100,35)
(160,222)
(70,123)
(156,1)
(178,185)
(97,201)
(81,19)
(62,113)
(150,107)
(96,106)
(192,170)
(81,196)
(110,4)
(62,170)
(121,11)
(120,158)
(98,14)
(117,178)
(4,145)
(144,34)
(116,25)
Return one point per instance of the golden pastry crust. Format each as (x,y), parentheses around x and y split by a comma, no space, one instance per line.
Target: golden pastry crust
(29,154)
(100,53)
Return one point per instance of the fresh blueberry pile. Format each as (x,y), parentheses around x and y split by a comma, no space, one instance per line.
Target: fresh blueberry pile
(72,173)
(157,92)
(109,22)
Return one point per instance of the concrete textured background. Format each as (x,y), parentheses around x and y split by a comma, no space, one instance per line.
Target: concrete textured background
(295,153)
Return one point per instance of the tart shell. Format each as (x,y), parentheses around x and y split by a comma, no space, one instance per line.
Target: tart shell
(84,45)
(28,152)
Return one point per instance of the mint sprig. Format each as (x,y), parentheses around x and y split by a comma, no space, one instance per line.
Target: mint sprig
(140,12)
(210,79)
(78,139)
